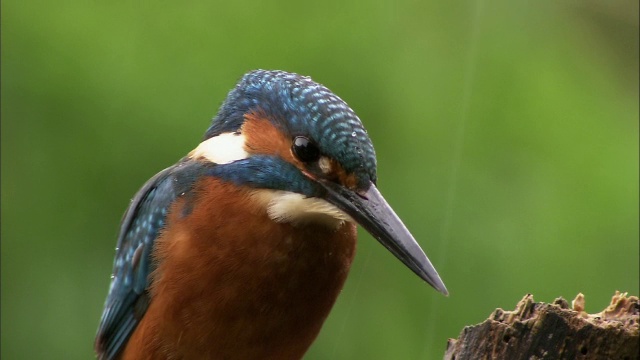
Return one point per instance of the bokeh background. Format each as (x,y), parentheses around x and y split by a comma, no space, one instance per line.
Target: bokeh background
(506,132)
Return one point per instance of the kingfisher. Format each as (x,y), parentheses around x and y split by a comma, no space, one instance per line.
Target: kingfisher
(240,250)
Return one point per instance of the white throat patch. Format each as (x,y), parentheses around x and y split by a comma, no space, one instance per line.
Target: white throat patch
(281,206)
(285,206)
(222,149)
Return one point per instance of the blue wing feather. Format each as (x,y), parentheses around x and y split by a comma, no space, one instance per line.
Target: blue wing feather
(145,217)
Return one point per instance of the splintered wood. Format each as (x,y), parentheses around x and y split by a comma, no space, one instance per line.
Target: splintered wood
(553,331)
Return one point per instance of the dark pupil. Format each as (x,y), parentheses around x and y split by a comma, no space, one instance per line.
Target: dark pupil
(305,149)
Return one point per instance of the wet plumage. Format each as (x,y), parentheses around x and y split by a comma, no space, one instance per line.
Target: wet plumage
(240,249)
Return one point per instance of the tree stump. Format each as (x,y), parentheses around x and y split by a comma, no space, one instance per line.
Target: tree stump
(553,331)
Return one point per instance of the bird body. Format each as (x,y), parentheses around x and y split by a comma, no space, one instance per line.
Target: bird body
(240,250)
(265,299)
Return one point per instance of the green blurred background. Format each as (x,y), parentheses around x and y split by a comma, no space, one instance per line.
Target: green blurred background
(506,132)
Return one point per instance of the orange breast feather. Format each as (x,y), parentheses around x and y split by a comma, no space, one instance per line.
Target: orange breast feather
(233,284)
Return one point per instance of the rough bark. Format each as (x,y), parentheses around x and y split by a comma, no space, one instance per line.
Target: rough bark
(553,331)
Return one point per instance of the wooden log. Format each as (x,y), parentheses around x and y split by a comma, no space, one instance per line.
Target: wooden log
(553,331)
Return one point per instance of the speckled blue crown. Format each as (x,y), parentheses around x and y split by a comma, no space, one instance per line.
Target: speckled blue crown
(300,106)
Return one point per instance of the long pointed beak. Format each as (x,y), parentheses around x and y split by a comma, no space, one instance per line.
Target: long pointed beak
(371,211)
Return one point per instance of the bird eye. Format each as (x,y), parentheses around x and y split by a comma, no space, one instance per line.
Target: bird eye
(305,149)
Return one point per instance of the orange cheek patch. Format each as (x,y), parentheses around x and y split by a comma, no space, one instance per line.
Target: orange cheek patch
(262,137)
(344,178)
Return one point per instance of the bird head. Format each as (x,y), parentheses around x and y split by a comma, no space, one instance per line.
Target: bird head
(309,159)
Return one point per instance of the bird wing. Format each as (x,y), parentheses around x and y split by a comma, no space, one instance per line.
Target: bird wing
(145,217)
